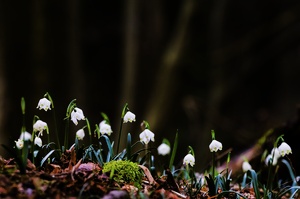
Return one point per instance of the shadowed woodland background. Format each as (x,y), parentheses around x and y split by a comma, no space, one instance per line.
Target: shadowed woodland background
(191,66)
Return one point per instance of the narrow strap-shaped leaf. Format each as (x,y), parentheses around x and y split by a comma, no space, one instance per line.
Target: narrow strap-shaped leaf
(47,156)
(293,189)
(254,182)
(174,150)
(98,156)
(128,148)
(109,145)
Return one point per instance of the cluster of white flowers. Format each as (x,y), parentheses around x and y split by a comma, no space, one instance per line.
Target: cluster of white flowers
(39,126)
(145,136)
(276,153)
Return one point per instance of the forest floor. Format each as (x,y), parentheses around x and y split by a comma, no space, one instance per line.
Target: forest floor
(86,180)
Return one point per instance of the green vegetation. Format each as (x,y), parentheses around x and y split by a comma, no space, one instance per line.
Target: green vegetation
(124,171)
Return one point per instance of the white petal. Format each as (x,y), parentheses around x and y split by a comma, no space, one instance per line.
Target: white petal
(163,149)
(25,136)
(189,159)
(129,117)
(246,166)
(80,134)
(38,141)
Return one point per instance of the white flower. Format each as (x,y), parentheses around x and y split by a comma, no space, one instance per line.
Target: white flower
(25,136)
(146,136)
(38,141)
(189,159)
(44,103)
(269,158)
(284,149)
(105,128)
(80,134)
(76,115)
(20,143)
(129,117)
(276,153)
(215,146)
(163,149)
(246,166)
(39,126)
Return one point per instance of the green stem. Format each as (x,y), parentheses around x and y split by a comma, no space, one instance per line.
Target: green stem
(56,129)
(89,129)
(213,164)
(120,132)
(66,134)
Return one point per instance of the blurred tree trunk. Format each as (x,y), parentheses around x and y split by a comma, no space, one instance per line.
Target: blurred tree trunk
(77,74)
(3,102)
(38,41)
(130,61)
(159,105)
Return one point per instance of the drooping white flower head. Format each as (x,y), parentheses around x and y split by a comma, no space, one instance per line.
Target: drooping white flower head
(44,103)
(246,166)
(146,136)
(163,149)
(284,149)
(80,134)
(129,117)
(105,128)
(189,159)
(25,136)
(38,141)
(215,146)
(39,126)
(77,114)
(276,153)
(19,143)
(269,158)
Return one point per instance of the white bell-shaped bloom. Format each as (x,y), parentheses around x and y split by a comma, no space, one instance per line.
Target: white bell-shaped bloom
(77,114)
(39,126)
(271,158)
(105,128)
(25,136)
(284,149)
(146,136)
(276,153)
(80,134)
(38,141)
(189,159)
(19,143)
(246,166)
(44,103)
(163,149)
(215,146)
(129,117)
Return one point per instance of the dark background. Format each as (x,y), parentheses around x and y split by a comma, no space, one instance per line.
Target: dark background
(191,66)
